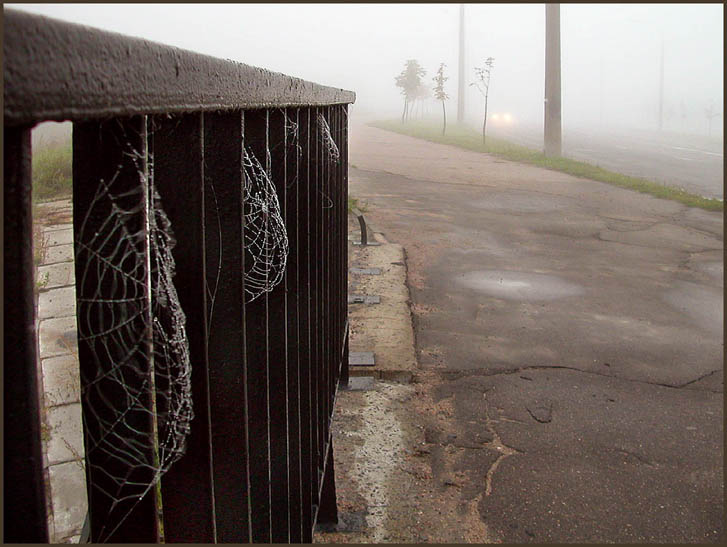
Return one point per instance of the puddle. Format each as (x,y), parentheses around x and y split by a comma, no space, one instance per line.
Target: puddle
(519,285)
(521,202)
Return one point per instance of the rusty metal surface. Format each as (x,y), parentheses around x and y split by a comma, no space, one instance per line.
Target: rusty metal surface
(55,70)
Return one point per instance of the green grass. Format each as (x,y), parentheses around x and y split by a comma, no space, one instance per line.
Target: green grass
(469,139)
(52,172)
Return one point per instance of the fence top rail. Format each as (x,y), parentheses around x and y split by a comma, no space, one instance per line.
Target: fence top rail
(56,71)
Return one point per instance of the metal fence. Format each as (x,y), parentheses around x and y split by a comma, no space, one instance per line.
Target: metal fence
(210,205)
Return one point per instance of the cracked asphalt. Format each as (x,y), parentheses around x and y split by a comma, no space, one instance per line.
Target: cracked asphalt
(570,339)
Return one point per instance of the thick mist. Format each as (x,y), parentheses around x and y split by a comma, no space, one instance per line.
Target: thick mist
(611,54)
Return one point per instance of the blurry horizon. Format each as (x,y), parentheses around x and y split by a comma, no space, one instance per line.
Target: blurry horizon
(610,53)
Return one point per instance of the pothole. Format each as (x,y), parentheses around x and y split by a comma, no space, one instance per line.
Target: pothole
(519,285)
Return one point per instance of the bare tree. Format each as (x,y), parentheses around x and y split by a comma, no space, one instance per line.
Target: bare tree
(440,94)
(410,80)
(483,86)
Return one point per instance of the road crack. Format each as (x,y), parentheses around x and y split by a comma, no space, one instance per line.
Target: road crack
(495,444)
(457,374)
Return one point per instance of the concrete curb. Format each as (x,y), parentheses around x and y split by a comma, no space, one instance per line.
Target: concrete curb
(384,328)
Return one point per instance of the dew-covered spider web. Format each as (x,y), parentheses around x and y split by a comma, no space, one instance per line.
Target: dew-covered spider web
(325,131)
(266,240)
(136,389)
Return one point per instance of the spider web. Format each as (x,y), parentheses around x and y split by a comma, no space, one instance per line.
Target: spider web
(333,153)
(137,400)
(266,239)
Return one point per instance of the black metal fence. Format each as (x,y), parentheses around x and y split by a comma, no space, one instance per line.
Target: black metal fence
(169,150)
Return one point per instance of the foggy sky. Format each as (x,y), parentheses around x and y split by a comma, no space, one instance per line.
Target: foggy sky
(610,53)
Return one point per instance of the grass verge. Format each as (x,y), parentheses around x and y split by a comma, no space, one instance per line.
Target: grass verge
(52,172)
(469,139)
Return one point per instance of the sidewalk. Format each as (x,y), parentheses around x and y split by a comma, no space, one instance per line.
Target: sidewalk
(58,351)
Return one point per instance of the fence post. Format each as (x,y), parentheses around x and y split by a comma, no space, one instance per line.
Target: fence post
(178,158)
(228,375)
(24,512)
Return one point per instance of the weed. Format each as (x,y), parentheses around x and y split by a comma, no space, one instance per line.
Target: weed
(464,137)
(354,203)
(42,281)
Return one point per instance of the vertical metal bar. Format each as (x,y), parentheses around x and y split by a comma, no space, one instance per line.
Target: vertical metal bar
(320,330)
(224,264)
(256,355)
(114,152)
(306,124)
(24,515)
(178,156)
(325,286)
(278,349)
(340,236)
(333,268)
(293,182)
(315,261)
(343,381)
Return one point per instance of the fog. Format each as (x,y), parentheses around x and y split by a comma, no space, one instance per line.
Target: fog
(610,53)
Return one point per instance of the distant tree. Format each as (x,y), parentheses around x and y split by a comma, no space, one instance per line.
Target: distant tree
(483,86)
(410,80)
(682,112)
(423,93)
(440,94)
(710,112)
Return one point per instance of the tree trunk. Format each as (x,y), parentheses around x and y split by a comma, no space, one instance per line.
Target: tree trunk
(444,114)
(484,122)
(403,114)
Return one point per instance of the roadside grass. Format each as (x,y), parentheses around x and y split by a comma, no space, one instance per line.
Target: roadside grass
(469,139)
(52,171)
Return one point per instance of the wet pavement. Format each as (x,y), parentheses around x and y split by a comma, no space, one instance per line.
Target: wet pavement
(574,332)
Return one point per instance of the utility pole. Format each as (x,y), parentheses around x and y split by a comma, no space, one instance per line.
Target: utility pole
(661,87)
(461,83)
(552,128)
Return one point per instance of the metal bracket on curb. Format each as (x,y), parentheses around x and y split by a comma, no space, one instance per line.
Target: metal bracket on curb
(366,271)
(364,299)
(364,237)
(361,358)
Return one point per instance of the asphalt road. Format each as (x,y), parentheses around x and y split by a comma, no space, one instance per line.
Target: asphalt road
(690,162)
(574,332)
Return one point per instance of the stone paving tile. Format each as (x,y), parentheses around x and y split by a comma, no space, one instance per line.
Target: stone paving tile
(61,380)
(59,302)
(55,227)
(58,337)
(58,237)
(56,275)
(66,437)
(58,253)
(68,483)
